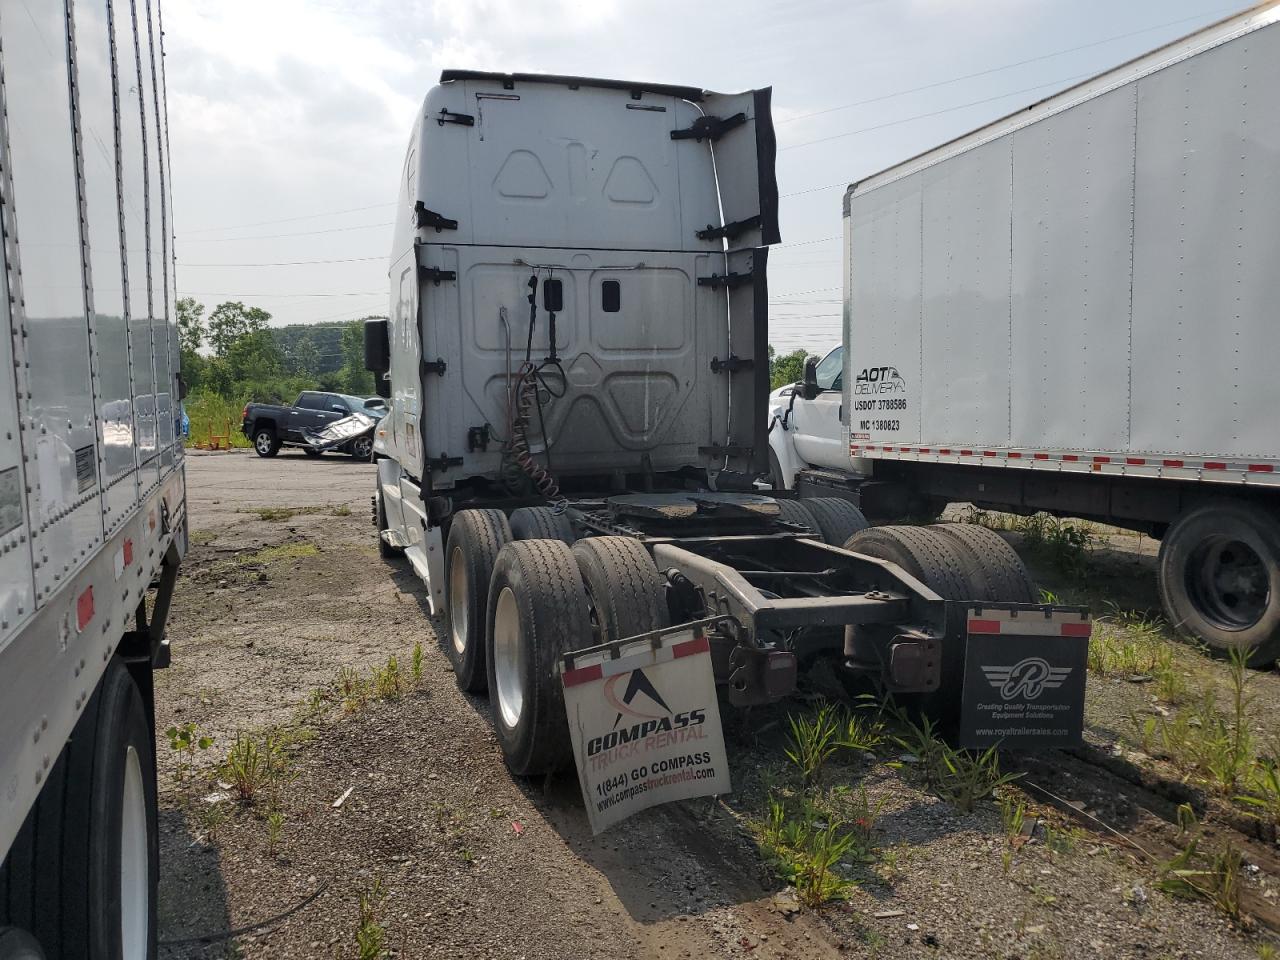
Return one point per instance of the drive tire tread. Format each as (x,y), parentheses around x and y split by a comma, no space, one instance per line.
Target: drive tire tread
(480,535)
(837,519)
(552,604)
(540,523)
(1005,576)
(928,555)
(793,511)
(623,586)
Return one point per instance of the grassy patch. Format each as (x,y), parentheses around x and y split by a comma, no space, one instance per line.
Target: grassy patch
(281,514)
(1132,644)
(200,538)
(1065,544)
(256,767)
(279,553)
(211,414)
(371,935)
(960,777)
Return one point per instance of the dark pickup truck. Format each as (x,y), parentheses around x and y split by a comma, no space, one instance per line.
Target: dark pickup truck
(271,426)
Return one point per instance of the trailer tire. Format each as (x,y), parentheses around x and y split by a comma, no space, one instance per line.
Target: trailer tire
(1002,572)
(626,593)
(930,556)
(16,945)
(1219,578)
(792,511)
(837,519)
(265,441)
(537,610)
(541,523)
(475,539)
(81,876)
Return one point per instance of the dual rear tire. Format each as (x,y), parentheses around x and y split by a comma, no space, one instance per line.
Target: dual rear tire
(517,605)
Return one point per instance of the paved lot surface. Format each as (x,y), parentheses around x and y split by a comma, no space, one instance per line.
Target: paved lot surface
(392,823)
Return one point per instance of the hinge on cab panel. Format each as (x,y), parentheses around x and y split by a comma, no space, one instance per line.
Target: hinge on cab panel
(429,218)
(442,463)
(462,119)
(709,128)
(732,365)
(729,230)
(435,274)
(478,439)
(436,366)
(728,280)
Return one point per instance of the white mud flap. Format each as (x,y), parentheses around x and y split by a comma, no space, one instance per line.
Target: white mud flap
(1024,677)
(645,723)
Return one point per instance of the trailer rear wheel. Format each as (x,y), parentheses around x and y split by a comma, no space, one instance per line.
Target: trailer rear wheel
(837,519)
(475,538)
(540,523)
(930,556)
(1219,578)
(1003,574)
(626,593)
(81,874)
(537,610)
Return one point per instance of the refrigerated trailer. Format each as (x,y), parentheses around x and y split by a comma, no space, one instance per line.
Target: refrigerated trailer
(1073,309)
(576,362)
(92,500)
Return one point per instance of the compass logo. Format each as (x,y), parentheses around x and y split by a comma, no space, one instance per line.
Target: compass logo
(1028,678)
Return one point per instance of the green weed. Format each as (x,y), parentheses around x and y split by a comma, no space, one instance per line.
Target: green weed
(960,777)
(371,935)
(388,681)
(275,826)
(1215,878)
(805,844)
(185,740)
(256,766)
(415,662)
(812,741)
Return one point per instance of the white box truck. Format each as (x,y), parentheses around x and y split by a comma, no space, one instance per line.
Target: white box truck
(576,361)
(1073,309)
(92,515)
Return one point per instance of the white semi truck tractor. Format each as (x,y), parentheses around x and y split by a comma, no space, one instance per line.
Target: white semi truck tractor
(1073,309)
(576,363)
(92,514)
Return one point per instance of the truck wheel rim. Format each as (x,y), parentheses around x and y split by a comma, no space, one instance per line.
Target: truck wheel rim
(1229,583)
(134,861)
(508,659)
(263,443)
(459,609)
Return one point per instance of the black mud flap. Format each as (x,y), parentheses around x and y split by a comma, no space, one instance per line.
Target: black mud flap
(1024,676)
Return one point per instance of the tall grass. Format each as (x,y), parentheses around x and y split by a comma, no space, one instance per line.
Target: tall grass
(211,414)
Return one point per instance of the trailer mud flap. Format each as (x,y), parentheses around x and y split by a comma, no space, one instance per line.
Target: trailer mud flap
(1024,677)
(645,723)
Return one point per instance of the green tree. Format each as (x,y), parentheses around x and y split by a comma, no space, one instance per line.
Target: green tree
(788,368)
(190,324)
(232,320)
(304,359)
(355,378)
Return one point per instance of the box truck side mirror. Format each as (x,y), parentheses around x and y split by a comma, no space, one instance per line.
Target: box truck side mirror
(809,385)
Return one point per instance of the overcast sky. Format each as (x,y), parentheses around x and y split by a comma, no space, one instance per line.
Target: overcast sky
(289,118)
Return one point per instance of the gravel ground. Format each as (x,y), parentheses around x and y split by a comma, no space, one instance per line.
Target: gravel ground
(455,859)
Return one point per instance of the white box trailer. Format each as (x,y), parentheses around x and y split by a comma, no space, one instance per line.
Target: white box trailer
(92,499)
(1073,309)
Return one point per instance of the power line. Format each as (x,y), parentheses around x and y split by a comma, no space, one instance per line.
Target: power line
(1007,66)
(933,113)
(282,236)
(237,293)
(282,263)
(266,223)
